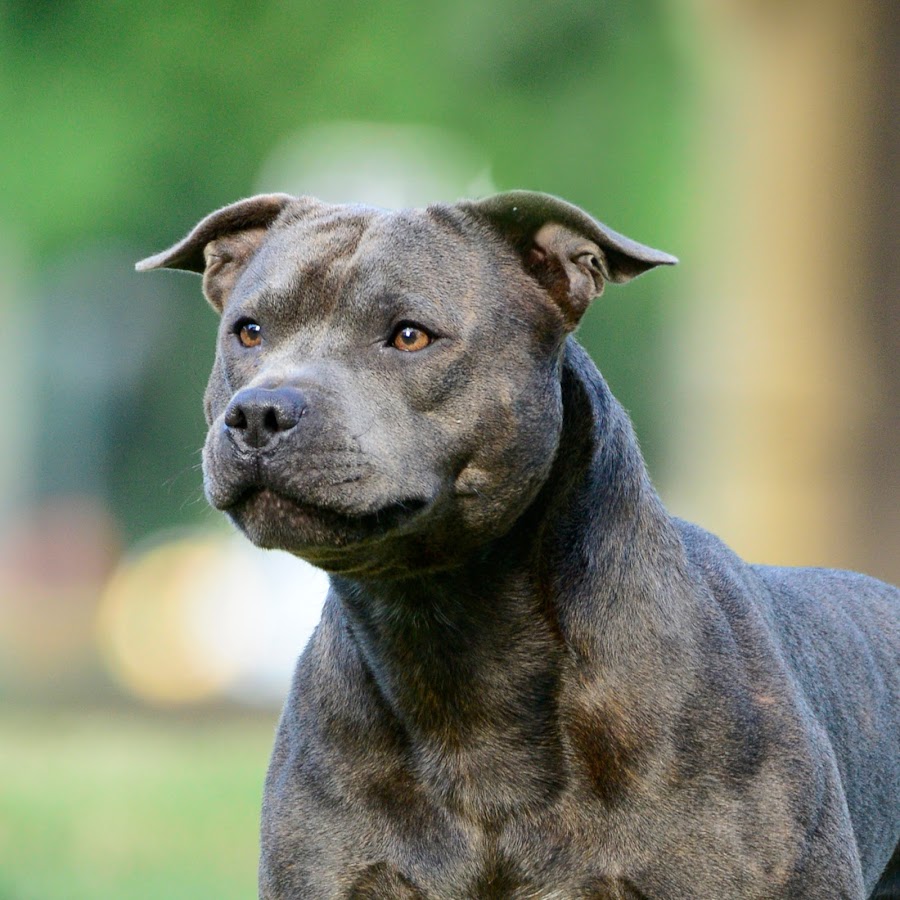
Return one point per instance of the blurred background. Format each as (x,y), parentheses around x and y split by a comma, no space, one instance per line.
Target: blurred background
(145,648)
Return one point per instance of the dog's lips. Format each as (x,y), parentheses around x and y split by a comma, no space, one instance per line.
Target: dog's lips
(274,519)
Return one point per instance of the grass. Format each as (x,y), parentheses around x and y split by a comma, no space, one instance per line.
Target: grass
(112,805)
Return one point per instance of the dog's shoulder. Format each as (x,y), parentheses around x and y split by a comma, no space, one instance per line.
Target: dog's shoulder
(837,634)
(807,594)
(825,623)
(729,580)
(838,624)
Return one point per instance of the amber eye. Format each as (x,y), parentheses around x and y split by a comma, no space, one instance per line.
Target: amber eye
(410,338)
(249,333)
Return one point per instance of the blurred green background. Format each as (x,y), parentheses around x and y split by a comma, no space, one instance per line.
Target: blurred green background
(143,648)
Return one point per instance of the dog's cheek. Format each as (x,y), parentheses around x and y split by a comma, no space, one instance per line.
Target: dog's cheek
(518,440)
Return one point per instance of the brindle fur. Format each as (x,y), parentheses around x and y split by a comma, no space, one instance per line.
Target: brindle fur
(529,681)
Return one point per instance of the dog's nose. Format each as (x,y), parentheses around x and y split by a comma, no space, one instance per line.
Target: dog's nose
(256,416)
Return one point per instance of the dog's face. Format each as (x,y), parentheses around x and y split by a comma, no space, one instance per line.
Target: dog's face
(386,391)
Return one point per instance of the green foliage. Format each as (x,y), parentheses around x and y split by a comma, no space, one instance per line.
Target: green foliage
(136,118)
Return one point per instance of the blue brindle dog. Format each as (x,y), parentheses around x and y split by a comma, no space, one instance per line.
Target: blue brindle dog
(529,681)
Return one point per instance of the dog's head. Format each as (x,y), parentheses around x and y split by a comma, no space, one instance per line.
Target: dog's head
(386,390)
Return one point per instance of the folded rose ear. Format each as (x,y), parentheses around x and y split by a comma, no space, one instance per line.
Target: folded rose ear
(570,253)
(222,244)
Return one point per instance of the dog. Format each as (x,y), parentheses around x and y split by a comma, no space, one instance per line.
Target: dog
(529,680)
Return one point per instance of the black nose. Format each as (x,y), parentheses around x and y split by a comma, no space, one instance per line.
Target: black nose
(256,416)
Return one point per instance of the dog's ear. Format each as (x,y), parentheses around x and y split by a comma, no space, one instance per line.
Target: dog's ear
(221,245)
(570,253)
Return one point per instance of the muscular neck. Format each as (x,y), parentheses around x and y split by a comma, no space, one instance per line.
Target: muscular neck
(472,661)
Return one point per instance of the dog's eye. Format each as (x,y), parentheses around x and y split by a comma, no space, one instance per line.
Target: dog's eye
(249,332)
(411,338)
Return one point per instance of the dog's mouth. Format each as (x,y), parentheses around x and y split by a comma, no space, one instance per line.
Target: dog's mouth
(275,520)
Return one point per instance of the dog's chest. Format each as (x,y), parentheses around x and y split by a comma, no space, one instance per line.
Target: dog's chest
(352,810)
(491,877)
(410,850)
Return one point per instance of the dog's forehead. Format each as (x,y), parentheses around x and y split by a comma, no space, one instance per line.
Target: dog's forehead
(309,246)
(385,250)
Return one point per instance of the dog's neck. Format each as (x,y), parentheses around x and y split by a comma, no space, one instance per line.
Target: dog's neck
(471,661)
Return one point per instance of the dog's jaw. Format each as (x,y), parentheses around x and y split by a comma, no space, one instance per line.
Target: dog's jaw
(274,520)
